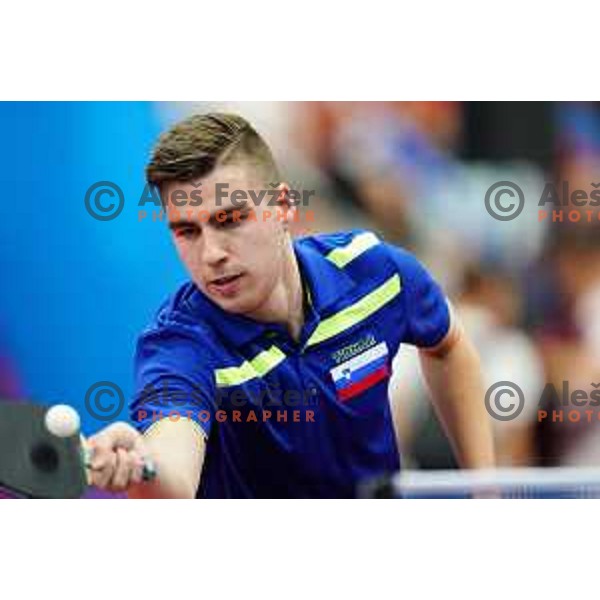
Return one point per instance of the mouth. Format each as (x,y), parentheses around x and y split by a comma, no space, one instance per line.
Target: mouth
(227,285)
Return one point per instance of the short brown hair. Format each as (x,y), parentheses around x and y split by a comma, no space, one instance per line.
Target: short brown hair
(194,147)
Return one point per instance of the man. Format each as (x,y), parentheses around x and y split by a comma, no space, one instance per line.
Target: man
(267,374)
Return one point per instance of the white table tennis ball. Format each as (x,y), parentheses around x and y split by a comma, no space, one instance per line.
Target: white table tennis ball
(62,421)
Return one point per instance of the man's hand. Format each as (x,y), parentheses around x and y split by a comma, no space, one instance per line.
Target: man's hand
(117,457)
(175,447)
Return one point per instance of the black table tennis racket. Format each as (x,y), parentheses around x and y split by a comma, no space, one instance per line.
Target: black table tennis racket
(33,462)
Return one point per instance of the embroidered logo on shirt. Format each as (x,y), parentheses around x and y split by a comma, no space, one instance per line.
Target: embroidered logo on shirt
(361,372)
(351,350)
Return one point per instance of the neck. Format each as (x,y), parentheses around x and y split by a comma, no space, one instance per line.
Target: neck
(285,305)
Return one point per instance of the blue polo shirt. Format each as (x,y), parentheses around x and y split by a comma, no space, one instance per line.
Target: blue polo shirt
(283,418)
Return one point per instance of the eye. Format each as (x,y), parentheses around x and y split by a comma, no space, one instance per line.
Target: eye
(186,232)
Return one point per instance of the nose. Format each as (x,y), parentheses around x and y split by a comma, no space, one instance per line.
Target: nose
(215,249)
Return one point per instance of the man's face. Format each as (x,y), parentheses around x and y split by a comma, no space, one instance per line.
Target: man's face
(233,259)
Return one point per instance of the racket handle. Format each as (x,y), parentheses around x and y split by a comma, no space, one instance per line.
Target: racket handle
(149,470)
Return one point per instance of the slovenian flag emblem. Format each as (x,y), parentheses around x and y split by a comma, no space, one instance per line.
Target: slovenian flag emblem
(361,372)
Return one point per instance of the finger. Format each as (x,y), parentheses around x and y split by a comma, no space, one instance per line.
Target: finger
(104,443)
(144,461)
(101,476)
(137,474)
(99,449)
(100,456)
(123,471)
(131,463)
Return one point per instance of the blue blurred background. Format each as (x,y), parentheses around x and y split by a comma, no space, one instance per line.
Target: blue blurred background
(76,291)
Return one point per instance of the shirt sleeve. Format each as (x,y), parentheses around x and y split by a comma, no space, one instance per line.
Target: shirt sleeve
(425,303)
(173,380)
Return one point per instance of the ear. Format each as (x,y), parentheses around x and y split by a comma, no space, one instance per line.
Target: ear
(288,211)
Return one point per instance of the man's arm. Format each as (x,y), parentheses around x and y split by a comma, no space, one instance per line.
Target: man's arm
(452,372)
(176,448)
